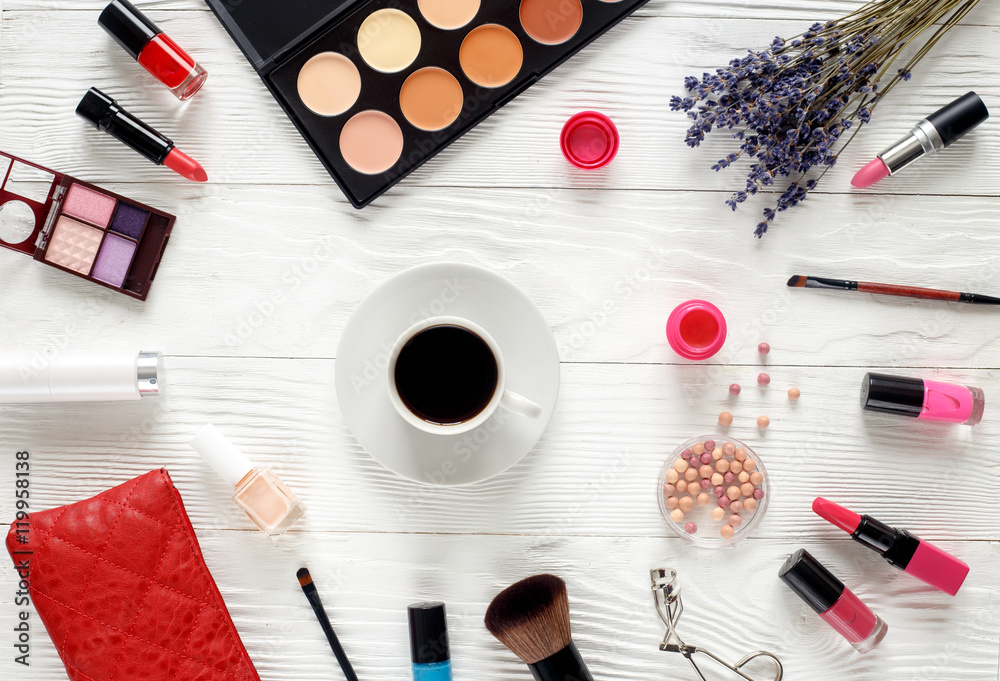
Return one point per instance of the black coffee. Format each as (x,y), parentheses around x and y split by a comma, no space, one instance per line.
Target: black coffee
(446,374)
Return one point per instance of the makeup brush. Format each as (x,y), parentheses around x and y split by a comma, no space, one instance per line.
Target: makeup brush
(309,589)
(798,281)
(531,618)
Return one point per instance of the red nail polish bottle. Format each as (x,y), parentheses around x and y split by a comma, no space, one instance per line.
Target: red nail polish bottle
(153,48)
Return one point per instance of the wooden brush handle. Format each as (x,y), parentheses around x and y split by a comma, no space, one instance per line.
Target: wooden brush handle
(909,291)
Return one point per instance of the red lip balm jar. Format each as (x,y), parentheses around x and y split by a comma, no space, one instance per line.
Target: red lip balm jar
(153,49)
(696,329)
(589,140)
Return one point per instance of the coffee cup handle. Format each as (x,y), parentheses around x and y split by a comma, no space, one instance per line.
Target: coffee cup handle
(522,406)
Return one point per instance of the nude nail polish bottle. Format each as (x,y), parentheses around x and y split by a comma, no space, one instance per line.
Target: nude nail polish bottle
(258,491)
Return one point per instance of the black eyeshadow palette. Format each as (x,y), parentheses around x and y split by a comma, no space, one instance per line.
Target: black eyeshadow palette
(378,87)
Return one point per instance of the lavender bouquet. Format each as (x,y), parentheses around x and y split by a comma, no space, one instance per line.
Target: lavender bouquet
(791,104)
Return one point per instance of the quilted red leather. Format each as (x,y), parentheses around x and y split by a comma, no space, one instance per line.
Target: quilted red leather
(121,586)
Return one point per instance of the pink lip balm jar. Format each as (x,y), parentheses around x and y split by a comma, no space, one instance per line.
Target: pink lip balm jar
(589,140)
(696,329)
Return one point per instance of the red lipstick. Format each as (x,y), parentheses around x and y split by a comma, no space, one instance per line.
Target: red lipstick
(105,114)
(153,49)
(834,602)
(901,549)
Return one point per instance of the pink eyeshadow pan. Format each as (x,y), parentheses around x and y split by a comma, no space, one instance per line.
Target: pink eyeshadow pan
(86,204)
(74,245)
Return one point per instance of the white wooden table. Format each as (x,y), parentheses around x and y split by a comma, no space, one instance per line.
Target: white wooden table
(582,505)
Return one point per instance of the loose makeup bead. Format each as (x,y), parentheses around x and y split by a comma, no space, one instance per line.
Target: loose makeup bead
(725,419)
(672,476)
(677,515)
(728,478)
(750,505)
(691,528)
(728,449)
(686,454)
(717,479)
(720,491)
(709,445)
(691,475)
(681,486)
(749,465)
(698,448)
(740,454)
(680,465)
(735,389)
(763,379)
(794,393)
(724,502)
(743,477)
(746,489)
(763,422)
(705,471)
(733,493)
(686,504)
(718,513)
(717,453)
(763,348)
(706,458)
(672,502)
(703,499)
(722,465)
(706,483)
(735,520)
(727,531)
(668,489)
(758,494)
(737,506)
(756,478)
(736,466)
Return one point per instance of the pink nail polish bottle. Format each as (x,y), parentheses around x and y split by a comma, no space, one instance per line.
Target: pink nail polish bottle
(927,400)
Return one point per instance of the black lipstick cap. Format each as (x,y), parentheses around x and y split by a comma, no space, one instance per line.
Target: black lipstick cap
(104,113)
(814,584)
(892,394)
(128,26)
(428,633)
(960,117)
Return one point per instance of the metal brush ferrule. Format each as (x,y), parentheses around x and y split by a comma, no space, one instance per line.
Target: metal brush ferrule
(924,139)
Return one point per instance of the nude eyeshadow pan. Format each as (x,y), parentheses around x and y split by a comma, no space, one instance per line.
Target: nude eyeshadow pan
(378,87)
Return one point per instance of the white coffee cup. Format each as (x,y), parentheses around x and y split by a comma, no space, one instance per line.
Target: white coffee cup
(501,399)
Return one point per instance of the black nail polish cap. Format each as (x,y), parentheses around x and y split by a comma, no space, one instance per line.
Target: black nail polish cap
(814,584)
(892,394)
(428,633)
(128,26)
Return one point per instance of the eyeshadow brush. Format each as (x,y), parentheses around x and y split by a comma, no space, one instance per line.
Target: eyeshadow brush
(799,281)
(309,589)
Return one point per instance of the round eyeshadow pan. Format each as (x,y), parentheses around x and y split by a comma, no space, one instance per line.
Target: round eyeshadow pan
(329,84)
(449,14)
(551,22)
(431,98)
(491,55)
(371,142)
(389,40)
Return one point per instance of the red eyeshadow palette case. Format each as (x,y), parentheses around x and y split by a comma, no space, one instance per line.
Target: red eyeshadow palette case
(80,228)
(379,87)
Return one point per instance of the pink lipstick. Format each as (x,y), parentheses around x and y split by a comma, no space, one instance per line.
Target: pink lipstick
(901,549)
(834,602)
(939,130)
(926,400)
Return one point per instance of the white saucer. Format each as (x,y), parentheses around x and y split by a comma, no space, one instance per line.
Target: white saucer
(460,290)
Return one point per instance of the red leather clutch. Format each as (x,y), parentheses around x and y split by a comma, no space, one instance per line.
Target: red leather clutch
(121,586)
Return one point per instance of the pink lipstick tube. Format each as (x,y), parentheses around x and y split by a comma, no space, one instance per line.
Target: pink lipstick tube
(927,400)
(901,549)
(833,601)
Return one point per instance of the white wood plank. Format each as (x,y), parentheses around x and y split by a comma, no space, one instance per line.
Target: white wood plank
(242,136)
(594,473)
(734,603)
(576,253)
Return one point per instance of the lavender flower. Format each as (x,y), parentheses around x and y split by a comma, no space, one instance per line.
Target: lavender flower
(790,105)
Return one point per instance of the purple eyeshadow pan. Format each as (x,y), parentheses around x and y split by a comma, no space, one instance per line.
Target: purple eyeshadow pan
(114,260)
(129,220)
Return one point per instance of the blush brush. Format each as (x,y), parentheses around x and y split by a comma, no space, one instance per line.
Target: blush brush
(531,618)
(799,281)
